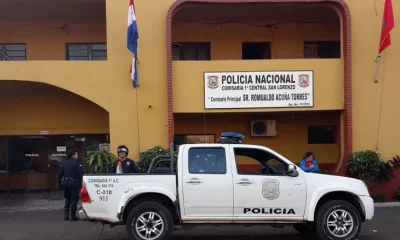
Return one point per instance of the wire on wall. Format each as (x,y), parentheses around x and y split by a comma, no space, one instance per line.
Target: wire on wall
(137,119)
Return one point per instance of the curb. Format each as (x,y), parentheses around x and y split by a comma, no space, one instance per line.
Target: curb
(387,204)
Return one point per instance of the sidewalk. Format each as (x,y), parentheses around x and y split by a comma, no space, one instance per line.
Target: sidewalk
(32,202)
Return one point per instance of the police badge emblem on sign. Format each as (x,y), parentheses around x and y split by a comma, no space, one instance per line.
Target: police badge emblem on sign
(270,189)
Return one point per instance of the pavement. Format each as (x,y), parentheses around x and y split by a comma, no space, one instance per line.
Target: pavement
(49,225)
(41,218)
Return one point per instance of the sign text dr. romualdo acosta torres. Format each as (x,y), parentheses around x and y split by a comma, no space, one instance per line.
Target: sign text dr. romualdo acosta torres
(224,90)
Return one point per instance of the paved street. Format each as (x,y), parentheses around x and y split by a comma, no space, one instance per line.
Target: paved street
(48,225)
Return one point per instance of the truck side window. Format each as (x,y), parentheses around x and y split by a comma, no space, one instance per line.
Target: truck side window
(258,162)
(207,160)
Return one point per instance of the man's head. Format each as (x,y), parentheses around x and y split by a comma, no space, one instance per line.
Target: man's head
(72,154)
(122,151)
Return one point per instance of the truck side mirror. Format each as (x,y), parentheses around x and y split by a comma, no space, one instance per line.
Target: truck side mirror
(292,172)
(292,167)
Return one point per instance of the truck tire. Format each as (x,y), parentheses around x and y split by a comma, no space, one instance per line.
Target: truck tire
(338,220)
(149,221)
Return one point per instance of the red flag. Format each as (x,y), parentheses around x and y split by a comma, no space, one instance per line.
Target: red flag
(387,26)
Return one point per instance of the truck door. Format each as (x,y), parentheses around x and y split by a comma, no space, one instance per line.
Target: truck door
(261,188)
(206,182)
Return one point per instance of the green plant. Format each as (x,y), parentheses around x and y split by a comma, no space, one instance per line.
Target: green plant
(146,157)
(365,164)
(386,173)
(394,162)
(99,162)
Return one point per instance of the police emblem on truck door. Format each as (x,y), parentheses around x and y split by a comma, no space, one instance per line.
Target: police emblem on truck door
(270,189)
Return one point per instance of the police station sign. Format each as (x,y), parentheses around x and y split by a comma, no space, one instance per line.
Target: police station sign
(235,90)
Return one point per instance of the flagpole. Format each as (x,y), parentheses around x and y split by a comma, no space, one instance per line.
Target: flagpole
(378,59)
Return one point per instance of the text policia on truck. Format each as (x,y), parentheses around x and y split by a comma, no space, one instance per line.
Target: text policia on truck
(209,185)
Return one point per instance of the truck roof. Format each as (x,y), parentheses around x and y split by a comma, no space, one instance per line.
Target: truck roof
(222,144)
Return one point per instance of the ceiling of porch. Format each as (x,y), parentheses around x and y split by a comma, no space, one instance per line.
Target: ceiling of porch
(255,12)
(71,10)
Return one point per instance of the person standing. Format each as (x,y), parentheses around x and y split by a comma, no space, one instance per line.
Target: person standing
(71,174)
(127,165)
(309,164)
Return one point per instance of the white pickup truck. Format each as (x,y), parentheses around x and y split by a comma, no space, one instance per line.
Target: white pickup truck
(214,185)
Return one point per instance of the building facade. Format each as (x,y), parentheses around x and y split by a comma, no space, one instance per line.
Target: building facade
(292,75)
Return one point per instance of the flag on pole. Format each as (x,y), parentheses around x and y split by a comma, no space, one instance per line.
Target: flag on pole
(132,39)
(387,26)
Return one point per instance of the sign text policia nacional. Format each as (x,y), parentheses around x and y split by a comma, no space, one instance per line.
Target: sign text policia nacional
(258,89)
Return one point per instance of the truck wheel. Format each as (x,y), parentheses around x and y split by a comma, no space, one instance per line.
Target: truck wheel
(149,221)
(338,220)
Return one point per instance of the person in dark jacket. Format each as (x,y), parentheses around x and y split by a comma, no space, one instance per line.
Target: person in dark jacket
(127,164)
(71,173)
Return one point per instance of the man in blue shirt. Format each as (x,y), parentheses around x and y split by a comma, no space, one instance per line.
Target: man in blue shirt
(127,164)
(71,173)
(309,164)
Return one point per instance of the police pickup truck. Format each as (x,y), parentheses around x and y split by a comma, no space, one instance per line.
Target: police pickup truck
(212,184)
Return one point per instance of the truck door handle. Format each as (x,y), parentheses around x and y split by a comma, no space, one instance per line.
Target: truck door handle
(244,181)
(194,180)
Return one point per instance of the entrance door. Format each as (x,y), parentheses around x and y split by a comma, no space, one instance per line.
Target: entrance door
(207,183)
(28,162)
(261,189)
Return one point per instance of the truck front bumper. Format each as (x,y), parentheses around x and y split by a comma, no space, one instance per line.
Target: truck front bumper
(369,208)
(82,215)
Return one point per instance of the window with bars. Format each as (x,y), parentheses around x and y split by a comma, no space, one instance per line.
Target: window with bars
(12,52)
(87,51)
(191,51)
(322,49)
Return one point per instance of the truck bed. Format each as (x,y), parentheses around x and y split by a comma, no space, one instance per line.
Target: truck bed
(109,192)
